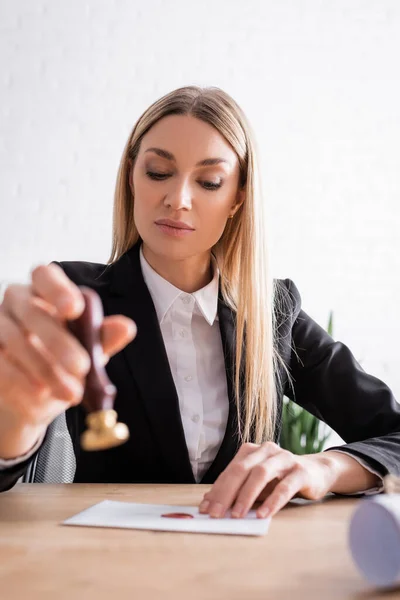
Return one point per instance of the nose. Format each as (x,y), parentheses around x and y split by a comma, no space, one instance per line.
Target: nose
(179,196)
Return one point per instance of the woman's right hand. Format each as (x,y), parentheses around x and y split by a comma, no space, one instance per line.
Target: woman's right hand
(42,365)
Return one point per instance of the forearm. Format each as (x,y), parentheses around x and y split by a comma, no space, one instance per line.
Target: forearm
(348,476)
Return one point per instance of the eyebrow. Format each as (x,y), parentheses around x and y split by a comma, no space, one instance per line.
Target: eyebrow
(203,163)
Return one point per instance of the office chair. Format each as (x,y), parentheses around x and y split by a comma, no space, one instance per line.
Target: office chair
(55,461)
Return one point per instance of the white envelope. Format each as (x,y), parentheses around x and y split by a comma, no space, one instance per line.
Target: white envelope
(130,515)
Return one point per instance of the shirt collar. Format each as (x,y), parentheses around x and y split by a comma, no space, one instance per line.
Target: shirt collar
(164,293)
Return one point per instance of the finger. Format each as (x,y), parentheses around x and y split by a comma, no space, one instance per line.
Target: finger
(29,400)
(32,314)
(23,352)
(262,474)
(228,484)
(12,380)
(283,493)
(213,501)
(244,450)
(51,283)
(116,332)
(225,488)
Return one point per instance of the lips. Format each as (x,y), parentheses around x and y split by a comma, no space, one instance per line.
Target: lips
(175,224)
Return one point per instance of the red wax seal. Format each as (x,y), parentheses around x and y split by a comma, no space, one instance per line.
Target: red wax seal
(178,516)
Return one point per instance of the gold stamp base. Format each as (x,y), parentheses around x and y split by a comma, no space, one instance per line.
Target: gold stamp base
(103,431)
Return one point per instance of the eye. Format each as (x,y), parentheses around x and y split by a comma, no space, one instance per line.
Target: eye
(156,176)
(210,185)
(207,185)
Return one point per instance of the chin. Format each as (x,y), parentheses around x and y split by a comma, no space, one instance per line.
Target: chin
(170,249)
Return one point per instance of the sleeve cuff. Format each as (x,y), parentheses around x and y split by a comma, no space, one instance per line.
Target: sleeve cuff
(371,491)
(7,463)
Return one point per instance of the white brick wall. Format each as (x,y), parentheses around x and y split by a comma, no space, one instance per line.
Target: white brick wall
(320,83)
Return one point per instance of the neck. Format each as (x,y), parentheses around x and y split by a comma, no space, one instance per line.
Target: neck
(187,274)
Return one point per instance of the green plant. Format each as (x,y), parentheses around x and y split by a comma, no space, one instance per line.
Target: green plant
(302,432)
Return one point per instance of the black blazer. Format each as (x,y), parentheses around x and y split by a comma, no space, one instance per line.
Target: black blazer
(328,382)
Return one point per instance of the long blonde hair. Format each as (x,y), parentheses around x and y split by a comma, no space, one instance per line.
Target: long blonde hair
(242,255)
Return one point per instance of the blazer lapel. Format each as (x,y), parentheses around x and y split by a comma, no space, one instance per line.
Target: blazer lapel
(148,364)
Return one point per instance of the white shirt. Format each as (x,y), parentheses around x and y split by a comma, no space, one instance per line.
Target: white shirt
(190,330)
(192,338)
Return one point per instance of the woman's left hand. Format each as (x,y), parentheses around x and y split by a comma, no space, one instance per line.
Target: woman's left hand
(267,473)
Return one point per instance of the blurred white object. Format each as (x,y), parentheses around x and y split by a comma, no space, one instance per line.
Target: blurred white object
(374,539)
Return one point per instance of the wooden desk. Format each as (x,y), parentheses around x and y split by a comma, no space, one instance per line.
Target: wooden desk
(304,555)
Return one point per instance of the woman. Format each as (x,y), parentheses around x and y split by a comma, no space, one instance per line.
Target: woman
(218,341)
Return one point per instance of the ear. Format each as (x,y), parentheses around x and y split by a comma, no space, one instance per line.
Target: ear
(240,197)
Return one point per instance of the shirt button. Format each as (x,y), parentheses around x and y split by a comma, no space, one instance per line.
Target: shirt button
(188,378)
(196,418)
(182,333)
(186,299)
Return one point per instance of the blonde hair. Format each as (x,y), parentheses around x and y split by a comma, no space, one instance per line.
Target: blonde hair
(242,256)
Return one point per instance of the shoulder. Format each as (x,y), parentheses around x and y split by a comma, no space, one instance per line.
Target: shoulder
(287,308)
(287,299)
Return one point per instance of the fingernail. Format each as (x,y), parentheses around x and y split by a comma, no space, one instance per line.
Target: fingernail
(83,364)
(263,513)
(132,329)
(204,505)
(216,510)
(237,511)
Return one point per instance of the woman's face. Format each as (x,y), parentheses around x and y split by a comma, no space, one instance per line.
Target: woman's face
(169,182)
